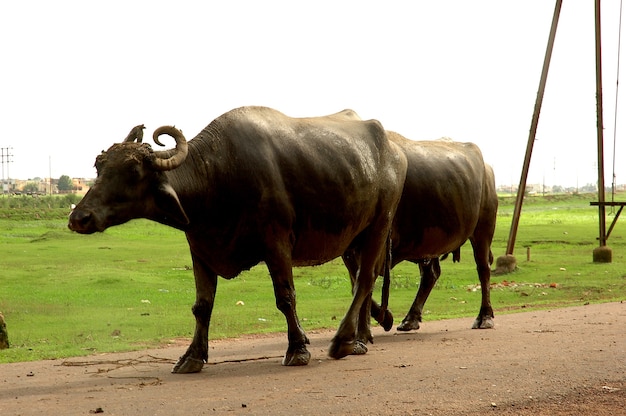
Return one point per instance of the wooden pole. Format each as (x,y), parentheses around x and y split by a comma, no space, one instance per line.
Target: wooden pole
(600,129)
(601,254)
(521,190)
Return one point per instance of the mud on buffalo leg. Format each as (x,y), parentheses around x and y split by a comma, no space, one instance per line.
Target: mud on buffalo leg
(429,272)
(198,352)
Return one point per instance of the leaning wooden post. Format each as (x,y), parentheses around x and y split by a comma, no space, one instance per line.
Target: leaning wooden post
(603,253)
(508,263)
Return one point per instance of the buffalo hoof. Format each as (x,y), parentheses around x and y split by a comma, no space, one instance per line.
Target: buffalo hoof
(359,348)
(339,349)
(187,365)
(409,325)
(299,356)
(486,322)
(387,321)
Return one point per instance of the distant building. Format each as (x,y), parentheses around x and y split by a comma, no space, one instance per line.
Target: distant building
(80,186)
(45,186)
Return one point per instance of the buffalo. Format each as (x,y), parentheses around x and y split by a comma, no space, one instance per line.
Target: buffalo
(449,197)
(258,186)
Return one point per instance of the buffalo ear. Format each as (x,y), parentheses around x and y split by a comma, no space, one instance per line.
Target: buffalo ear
(167,201)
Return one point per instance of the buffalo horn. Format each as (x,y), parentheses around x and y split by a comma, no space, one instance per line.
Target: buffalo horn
(170,159)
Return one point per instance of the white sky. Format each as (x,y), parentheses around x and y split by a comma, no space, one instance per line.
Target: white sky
(76,76)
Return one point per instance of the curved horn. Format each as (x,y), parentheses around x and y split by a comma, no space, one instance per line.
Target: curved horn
(135,134)
(173,158)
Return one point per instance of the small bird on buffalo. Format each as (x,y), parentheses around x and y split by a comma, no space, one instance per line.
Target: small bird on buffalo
(136,134)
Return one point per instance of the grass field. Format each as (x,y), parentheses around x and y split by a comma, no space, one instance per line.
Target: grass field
(65,294)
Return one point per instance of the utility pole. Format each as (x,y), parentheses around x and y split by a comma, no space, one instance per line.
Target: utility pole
(50,175)
(508,263)
(5,158)
(603,253)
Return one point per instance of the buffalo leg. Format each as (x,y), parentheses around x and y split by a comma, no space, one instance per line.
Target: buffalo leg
(481,243)
(363,331)
(344,342)
(381,313)
(354,329)
(198,352)
(429,272)
(284,291)
(352,264)
(351,260)
(483,258)
(386,321)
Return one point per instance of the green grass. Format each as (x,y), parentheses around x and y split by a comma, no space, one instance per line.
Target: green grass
(65,294)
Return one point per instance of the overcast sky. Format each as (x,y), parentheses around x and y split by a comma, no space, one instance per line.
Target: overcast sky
(76,76)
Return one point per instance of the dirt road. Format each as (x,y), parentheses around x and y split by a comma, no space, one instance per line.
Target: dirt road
(569,361)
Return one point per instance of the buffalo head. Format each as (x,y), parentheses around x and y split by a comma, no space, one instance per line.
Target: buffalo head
(132,183)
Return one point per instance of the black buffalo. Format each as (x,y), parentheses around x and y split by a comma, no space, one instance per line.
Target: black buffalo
(449,197)
(258,186)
